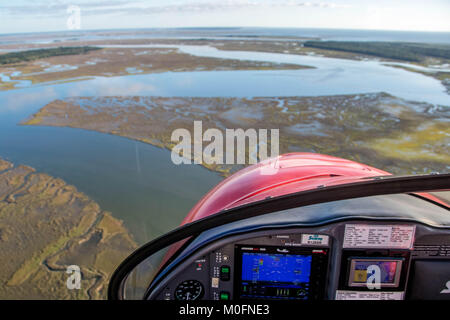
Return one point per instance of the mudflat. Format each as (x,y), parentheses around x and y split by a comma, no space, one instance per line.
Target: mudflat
(47,225)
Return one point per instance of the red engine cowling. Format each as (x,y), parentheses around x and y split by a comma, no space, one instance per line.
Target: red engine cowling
(288,173)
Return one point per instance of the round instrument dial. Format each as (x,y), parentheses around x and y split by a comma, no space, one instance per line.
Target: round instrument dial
(189,290)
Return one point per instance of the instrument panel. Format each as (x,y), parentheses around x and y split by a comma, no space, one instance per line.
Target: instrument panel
(352,260)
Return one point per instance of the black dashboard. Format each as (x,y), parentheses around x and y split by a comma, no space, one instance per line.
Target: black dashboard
(344,260)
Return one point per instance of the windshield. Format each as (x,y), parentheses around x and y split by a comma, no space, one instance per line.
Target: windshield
(117,118)
(148,265)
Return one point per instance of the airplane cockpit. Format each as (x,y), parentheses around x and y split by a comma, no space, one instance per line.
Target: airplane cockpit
(374,239)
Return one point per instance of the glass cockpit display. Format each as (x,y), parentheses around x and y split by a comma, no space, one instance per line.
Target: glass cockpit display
(293,269)
(279,273)
(385,272)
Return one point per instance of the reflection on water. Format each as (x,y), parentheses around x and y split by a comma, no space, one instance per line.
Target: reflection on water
(331,76)
(135,181)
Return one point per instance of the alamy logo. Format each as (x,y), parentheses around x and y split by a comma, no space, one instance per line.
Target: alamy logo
(74,280)
(373,277)
(447,288)
(74,20)
(233,149)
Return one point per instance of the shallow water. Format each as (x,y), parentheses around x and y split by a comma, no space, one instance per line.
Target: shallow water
(137,182)
(17,83)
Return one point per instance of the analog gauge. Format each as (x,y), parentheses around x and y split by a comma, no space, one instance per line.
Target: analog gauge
(189,290)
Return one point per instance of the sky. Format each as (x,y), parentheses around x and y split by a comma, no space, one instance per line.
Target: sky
(52,15)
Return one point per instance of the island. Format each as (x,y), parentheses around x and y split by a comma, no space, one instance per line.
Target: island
(63,64)
(378,129)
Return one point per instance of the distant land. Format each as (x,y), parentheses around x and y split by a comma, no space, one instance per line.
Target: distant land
(416,52)
(31,55)
(316,33)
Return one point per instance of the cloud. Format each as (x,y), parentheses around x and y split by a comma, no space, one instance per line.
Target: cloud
(58,8)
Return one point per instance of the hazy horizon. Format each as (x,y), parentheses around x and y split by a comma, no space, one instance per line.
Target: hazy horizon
(219,27)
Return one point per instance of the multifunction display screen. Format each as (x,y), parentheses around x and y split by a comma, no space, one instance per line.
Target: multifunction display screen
(276,267)
(365,271)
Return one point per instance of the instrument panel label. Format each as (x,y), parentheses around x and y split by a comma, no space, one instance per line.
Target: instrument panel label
(379,236)
(315,239)
(369,295)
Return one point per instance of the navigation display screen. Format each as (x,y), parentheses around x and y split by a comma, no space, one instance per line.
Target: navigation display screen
(389,272)
(279,273)
(276,267)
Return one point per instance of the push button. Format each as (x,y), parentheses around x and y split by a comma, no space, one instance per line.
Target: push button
(225,273)
(224,295)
